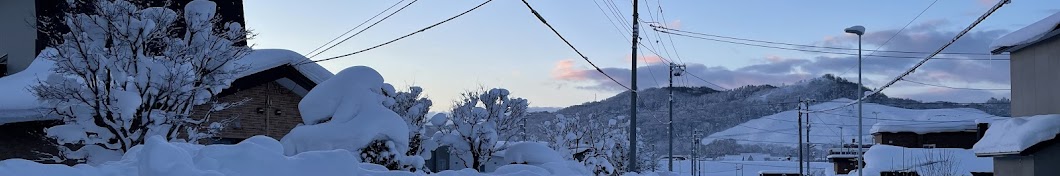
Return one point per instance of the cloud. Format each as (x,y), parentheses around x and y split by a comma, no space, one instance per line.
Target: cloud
(644,59)
(923,37)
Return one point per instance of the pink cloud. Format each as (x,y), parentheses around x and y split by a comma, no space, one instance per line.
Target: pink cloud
(645,59)
(564,70)
(675,24)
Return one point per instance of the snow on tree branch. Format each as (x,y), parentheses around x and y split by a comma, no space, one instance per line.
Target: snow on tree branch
(122,75)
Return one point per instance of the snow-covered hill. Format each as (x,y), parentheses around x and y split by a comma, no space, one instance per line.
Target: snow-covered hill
(710,110)
(827,127)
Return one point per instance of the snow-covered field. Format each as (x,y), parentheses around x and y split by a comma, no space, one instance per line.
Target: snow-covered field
(744,168)
(825,127)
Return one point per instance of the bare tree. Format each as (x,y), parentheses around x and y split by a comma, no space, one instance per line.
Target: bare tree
(938,162)
(123,74)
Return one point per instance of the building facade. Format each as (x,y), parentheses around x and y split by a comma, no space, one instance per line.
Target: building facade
(1035,60)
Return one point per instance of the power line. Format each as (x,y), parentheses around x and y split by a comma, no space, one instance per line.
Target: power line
(950,87)
(896,34)
(809,50)
(671,30)
(399,38)
(542,19)
(355,27)
(365,29)
(929,57)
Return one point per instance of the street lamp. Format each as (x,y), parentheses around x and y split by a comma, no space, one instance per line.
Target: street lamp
(859,30)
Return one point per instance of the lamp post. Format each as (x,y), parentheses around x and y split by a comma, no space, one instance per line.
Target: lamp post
(859,30)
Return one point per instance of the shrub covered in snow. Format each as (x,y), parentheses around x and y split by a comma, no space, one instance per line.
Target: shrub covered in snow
(413,107)
(603,148)
(478,119)
(123,74)
(347,112)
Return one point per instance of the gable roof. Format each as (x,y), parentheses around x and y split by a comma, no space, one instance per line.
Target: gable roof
(20,104)
(1039,31)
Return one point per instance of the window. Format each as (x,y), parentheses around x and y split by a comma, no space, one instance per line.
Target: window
(929,145)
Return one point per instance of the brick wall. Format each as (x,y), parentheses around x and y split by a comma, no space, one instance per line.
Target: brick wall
(246,119)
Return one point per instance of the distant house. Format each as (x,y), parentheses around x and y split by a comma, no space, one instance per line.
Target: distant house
(272,85)
(921,148)
(1027,143)
(926,134)
(845,158)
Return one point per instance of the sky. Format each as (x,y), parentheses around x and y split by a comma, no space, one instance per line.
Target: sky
(503,45)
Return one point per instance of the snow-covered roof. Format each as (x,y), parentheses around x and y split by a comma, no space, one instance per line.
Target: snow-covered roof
(20,105)
(881,158)
(263,59)
(1027,35)
(923,127)
(1014,135)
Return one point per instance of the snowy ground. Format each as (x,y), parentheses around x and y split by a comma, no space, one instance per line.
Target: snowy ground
(744,168)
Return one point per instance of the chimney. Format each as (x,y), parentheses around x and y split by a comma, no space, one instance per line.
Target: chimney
(980,130)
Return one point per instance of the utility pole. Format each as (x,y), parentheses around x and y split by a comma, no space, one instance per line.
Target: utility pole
(675,70)
(799,109)
(693,148)
(809,145)
(633,96)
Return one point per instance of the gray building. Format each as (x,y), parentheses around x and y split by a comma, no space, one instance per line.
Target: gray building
(1035,61)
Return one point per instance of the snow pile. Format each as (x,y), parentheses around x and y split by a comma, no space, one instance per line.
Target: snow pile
(781,128)
(19,103)
(1028,34)
(937,161)
(1013,135)
(346,112)
(259,155)
(530,153)
(924,127)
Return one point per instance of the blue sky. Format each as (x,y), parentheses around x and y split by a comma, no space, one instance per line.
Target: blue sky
(503,45)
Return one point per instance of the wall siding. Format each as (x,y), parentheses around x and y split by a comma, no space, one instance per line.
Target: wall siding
(1035,79)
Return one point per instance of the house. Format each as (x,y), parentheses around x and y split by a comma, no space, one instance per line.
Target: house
(272,86)
(922,148)
(962,134)
(845,158)
(1027,143)
(20,20)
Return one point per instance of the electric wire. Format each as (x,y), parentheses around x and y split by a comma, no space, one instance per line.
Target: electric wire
(542,19)
(355,27)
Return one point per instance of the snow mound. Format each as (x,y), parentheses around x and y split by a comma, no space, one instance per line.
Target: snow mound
(257,156)
(1028,34)
(937,161)
(531,153)
(1012,136)
(346,112)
